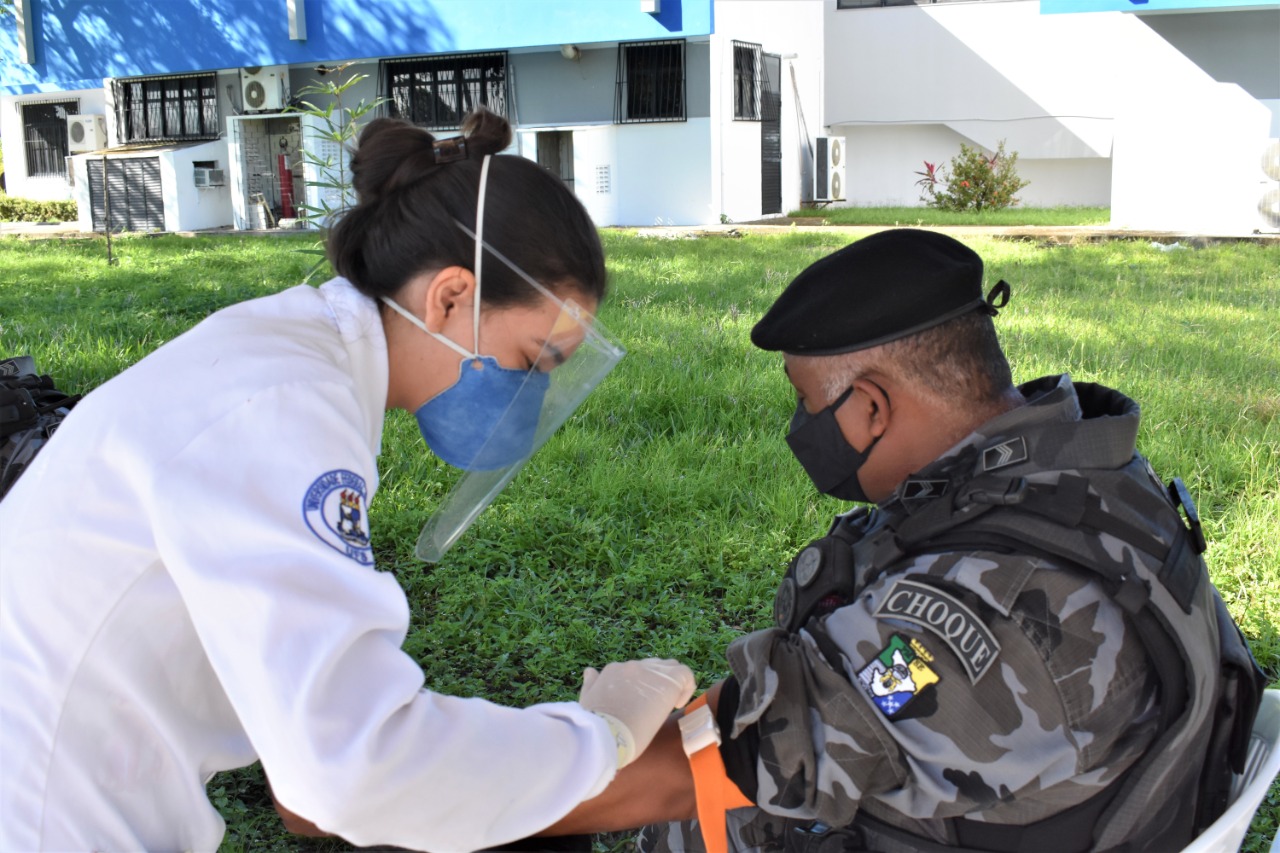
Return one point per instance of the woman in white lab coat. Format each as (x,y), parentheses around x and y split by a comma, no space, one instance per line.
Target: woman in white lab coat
(186,580)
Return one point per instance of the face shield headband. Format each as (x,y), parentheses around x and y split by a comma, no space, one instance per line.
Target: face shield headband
(583,354)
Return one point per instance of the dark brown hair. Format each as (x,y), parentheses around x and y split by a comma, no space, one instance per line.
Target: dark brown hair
(410,199)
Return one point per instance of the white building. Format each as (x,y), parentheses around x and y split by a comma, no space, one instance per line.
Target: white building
(1164,117)
(656,111)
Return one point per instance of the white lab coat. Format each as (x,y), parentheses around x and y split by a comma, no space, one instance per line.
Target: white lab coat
(186,587)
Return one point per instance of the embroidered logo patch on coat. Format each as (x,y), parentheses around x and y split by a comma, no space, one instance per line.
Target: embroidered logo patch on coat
(897,675)
(334,509)
(949,618)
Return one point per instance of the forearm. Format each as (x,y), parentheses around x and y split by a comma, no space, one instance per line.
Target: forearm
(657,787)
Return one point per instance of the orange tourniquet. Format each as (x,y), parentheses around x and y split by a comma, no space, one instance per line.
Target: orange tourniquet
(714,790)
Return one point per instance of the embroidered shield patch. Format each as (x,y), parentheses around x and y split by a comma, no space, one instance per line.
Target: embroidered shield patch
(334,509)
(898,675)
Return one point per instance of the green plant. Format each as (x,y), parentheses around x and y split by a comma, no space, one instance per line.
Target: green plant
(327,148)
(928,183)
(973,181)
(14,209)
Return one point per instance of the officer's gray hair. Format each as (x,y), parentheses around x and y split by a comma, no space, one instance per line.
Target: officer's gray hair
(958,365)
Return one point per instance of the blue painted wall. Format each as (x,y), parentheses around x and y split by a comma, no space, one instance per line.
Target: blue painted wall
(1056,7)
(79,42)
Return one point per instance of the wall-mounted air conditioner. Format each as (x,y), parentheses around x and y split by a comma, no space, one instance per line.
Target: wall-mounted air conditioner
(265,88)
(210,177)
(828,171)
(86,133)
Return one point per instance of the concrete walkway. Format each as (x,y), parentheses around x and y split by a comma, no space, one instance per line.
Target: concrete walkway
(39,229)
(1047,234)
(71,229)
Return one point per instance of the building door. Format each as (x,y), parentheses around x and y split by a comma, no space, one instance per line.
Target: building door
(131,199)
(771,135)
(555,153)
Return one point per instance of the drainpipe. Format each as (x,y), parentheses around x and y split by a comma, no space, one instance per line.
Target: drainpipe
(806,187)
(106,208)
(719,125)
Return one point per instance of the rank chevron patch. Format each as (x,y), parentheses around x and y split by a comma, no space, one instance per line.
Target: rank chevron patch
(1005,453)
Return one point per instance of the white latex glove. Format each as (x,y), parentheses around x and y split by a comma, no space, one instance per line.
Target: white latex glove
(635,698)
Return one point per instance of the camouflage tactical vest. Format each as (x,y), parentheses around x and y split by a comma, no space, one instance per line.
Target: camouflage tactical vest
(1088,502)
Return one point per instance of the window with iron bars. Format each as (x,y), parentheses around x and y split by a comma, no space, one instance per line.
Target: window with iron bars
(437,92)
(868,4)
(155,109)
(44,136)
(650,83)
(746,81)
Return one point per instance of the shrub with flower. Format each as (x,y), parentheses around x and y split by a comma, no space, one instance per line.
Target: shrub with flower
(975,182)
(932,175)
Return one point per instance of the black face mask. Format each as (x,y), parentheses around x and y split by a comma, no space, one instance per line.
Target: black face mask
(820,446)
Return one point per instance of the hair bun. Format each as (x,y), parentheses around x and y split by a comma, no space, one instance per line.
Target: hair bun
(391,153)
(486,133)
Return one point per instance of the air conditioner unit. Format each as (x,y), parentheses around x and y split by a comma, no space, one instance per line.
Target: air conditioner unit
(86,133)
(210,177)
(828,171)
(265,88)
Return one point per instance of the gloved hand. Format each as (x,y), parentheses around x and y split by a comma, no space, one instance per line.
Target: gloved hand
(635,698)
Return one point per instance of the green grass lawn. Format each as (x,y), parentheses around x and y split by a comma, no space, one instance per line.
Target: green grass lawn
(661,516)
(1011,216)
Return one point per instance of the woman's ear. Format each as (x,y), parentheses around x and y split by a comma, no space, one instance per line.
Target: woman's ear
(451,290)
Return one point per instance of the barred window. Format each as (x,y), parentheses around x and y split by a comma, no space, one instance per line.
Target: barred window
(44,135)
(153,109)
(437,92)
(650,84)
(746,81)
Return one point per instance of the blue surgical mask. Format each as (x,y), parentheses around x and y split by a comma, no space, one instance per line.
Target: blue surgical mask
(487,419)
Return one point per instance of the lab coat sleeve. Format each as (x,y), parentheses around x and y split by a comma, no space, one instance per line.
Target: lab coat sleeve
(306,641)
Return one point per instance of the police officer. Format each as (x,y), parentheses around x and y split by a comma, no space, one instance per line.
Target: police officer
(186,579)
(976,661)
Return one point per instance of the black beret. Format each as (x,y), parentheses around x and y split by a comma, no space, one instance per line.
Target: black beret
(883,287)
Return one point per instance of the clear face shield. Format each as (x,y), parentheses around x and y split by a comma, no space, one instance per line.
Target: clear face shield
(576,356)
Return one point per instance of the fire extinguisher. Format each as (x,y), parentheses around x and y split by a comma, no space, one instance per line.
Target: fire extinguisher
(286,188)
